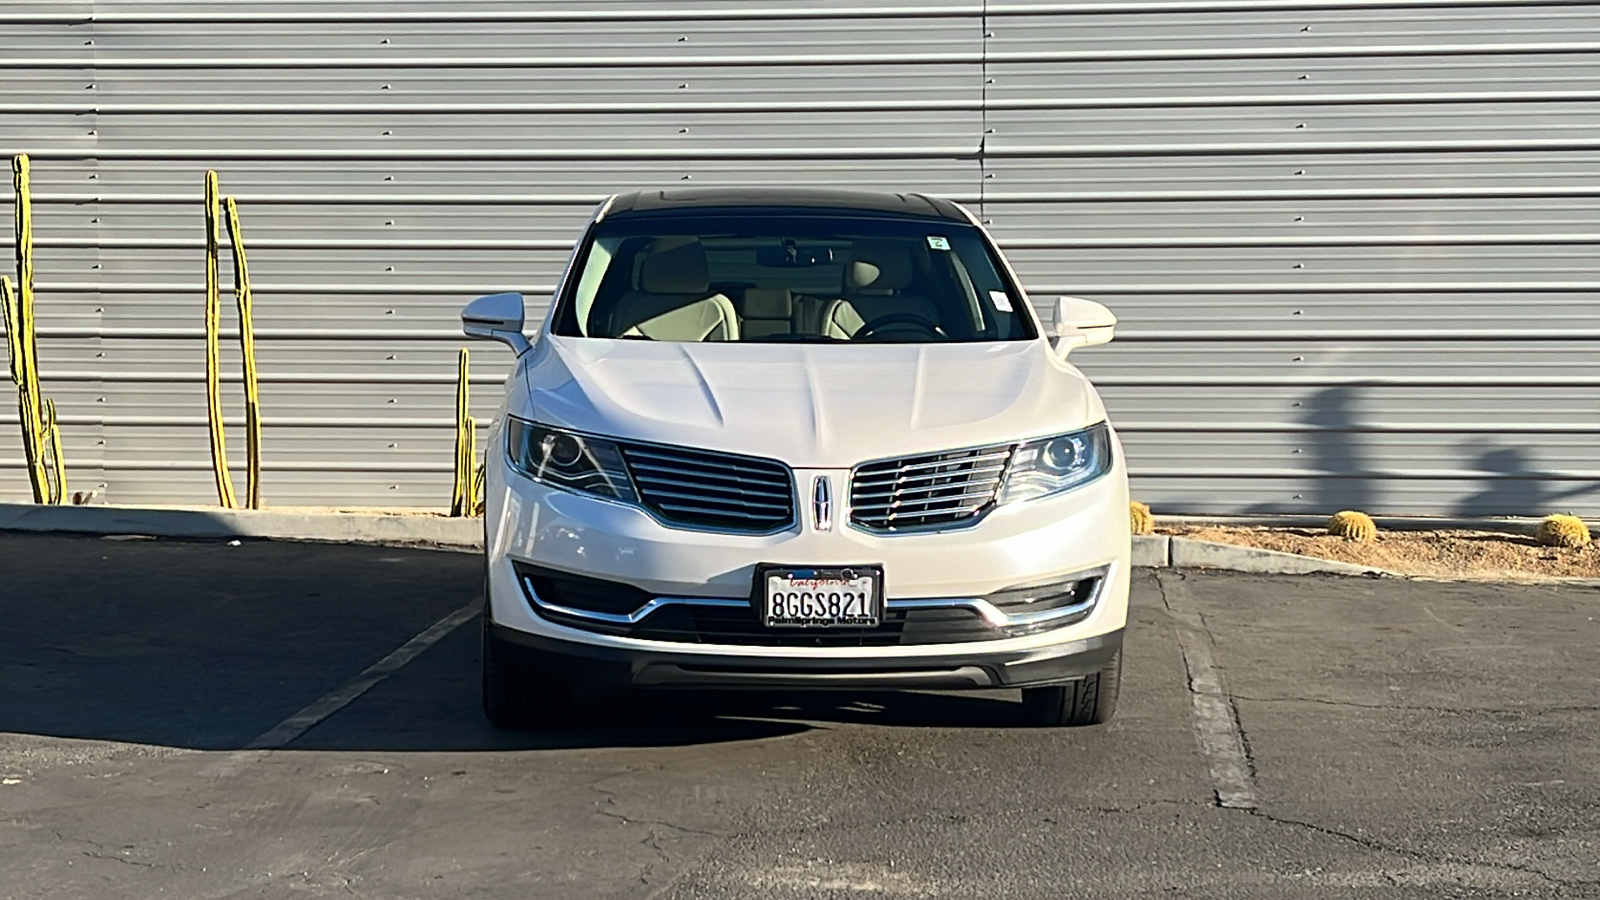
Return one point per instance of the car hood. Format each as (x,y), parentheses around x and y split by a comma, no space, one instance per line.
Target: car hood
(810,405)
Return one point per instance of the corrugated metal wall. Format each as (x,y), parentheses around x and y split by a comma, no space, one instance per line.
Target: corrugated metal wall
(1351,242)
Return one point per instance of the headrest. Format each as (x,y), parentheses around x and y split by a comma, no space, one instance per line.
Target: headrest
(878,266)
(768,303)
(674,265)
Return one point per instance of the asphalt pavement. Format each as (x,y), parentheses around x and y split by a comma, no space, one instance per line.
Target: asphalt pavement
(200,720)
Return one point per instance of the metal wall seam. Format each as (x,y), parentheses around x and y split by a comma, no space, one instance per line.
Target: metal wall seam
(108,12)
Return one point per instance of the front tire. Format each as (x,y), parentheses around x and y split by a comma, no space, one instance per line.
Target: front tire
(516,693)
(1088,701)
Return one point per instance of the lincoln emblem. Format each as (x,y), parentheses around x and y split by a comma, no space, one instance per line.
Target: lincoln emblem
(821,504)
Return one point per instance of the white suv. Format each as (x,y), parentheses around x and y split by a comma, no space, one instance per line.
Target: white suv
(799,439)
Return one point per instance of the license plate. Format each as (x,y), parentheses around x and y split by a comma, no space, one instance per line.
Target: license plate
(847,597)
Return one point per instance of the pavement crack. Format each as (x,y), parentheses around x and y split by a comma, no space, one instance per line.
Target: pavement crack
(121,859)
(1408,707)
(96,850)
(629,820)
(1217,726)
(653,841)
(1244,735)
(1150,804)
(1352,704)
(1371,844)
(611,800)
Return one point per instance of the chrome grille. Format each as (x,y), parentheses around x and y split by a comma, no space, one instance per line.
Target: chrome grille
(927,491)
(700,489)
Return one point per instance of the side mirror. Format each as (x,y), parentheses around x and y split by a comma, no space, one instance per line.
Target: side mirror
(496,317)
(1081,323)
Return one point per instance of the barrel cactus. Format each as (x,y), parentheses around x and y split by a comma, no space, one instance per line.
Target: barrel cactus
(1563,531)
(1140,519)
(1353,526)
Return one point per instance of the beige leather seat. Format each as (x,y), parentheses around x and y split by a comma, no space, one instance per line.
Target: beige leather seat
(766,311)
(875,283)
(674,301)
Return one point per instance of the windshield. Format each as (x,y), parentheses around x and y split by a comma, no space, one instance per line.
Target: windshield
(789,278)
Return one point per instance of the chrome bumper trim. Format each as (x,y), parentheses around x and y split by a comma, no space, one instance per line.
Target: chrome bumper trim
(999,618)
(632,618)
(995,616)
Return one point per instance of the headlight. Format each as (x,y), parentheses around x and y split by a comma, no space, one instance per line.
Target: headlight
(571,461)
(1052,465)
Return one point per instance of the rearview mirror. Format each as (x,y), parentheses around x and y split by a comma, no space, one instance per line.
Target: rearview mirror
(496,317)
(1081,323)
(789,256)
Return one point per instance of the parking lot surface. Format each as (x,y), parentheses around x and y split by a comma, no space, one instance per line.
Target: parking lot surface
(201,720)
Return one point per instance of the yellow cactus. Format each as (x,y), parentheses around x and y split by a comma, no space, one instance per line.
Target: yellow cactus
(1140,519)
(1353,526)
(1563,531)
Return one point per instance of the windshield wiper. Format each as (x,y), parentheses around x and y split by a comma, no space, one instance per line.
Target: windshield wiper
(794,339)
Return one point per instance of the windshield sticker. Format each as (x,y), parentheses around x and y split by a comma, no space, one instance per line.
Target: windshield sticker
(1000,300)
(938,243)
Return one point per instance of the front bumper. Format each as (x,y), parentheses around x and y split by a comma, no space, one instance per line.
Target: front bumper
(1034,543)
(628,667)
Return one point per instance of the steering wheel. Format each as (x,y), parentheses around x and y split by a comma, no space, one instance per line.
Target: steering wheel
(912,320)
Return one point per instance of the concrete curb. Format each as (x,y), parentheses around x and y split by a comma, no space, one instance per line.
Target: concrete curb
(1188,553)
(1157,551)
(1161,551)
(1152,551)
(299,525)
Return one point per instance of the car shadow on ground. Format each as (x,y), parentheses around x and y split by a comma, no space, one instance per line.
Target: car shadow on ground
(661,719)
(209,644)
(433,704)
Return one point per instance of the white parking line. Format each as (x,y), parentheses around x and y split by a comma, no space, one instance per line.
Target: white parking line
(1216,722)
(286,731)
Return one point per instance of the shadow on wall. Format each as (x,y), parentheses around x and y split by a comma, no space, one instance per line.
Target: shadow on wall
(1342,480)
(1336,452)
(1512,483)
(1514,486)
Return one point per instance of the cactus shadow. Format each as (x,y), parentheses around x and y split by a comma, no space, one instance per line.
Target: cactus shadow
(1512,484)
(1515,485)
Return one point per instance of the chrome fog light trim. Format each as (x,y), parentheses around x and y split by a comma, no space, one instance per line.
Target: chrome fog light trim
(632,618)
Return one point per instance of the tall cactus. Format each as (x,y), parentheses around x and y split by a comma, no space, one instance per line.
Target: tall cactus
(41,435)
(216,207)
(219,441)
(247,347)
(464,493)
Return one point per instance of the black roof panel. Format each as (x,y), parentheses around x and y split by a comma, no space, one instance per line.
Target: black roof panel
(686,199)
